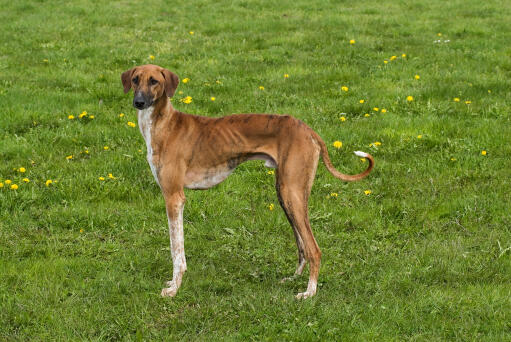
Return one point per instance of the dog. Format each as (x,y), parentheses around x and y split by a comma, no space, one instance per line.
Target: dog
(196,152)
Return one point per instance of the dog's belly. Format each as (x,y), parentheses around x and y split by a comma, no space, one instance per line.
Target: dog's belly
(205,179)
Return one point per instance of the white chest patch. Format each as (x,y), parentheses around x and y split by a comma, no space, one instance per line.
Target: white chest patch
(146,123)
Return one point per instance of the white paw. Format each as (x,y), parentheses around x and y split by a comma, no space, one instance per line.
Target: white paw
(169,291)
(304,295)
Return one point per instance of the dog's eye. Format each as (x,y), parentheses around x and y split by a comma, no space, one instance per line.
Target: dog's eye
(135,80)
(153,81)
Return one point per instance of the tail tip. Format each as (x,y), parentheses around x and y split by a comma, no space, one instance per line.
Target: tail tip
(361,154)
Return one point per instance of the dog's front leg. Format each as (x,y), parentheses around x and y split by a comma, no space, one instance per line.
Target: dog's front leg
(175,205)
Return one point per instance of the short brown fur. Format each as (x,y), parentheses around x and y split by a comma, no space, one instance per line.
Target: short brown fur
(199,152)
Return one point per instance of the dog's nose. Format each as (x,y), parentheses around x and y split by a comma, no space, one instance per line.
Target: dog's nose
(139,104)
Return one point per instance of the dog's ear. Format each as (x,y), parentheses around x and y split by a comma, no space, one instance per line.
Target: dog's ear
(171,82)
(126,79)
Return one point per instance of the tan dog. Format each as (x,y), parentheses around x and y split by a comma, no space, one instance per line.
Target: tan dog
(195,152)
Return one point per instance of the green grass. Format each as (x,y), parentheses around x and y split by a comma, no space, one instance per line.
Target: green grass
(425,256)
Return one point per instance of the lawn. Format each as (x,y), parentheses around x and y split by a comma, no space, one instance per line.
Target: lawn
(419,250)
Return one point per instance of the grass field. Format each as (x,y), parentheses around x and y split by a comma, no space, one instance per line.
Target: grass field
(426,255)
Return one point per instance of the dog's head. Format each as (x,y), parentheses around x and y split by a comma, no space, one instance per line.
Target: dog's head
(149,83)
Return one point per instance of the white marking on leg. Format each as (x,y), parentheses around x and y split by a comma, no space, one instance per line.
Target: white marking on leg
(177,250)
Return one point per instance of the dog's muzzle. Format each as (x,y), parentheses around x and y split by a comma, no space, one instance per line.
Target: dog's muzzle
(140,101)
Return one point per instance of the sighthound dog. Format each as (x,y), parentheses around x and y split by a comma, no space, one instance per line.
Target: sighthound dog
(195,152)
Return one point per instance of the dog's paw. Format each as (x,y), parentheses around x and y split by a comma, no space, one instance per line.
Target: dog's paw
(168,292)
(304,295)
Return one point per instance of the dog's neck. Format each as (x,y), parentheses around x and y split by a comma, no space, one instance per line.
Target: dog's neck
(161,112)
(162,108)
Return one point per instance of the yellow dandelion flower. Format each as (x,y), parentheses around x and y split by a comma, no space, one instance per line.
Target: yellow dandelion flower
(180,92)
(393,58)
(106,148)
(344,88)
(483,152)
(70,117)
(187,100)
(453,159)
(26,180)
(333,194)
(367,115)
(271,206)
(271,172)
(376,109)
(417,77)
(101,178)
(131,124)
(352,41)
(121,115)
(261,88)
(285,76)
(111,176)
(456,99)
(82,114)
(151,57)
(439,34)
(385,62)
(361,101)
(409,98)
(367,192)
(363,160)
(468,102)
(342,118)
(1,185)
(192,32)
(69,157)
(383,110)
(185,80)
(212,98)
(377,143)
(419,136)
(91,116)
(48,182)
(81,230)
(86,151)
(337,144)
(403,55)
(22,169)
(14,187)
(7,181)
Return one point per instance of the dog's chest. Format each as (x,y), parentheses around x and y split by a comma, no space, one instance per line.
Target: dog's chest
(145,124)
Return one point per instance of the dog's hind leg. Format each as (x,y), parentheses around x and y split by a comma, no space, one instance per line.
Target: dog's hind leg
(299,243)
(295,175)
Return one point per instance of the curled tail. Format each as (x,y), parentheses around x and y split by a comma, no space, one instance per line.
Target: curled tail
(337,174)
